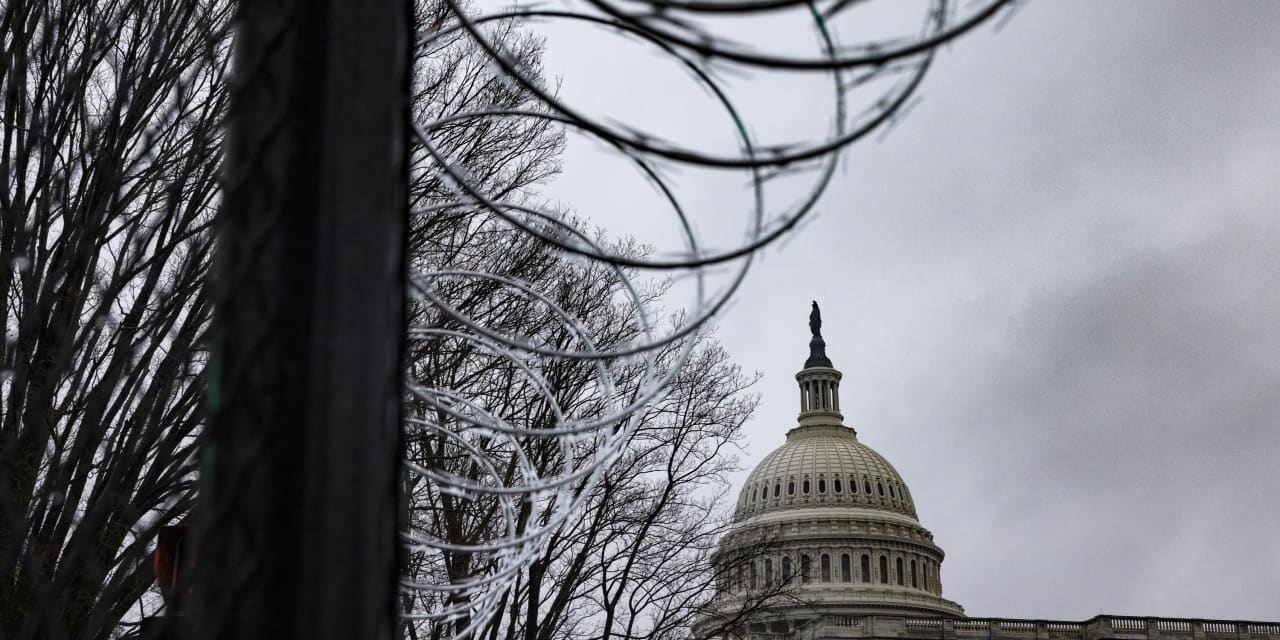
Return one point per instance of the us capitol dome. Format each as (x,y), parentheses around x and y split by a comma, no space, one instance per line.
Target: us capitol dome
(826,525)
(826,544)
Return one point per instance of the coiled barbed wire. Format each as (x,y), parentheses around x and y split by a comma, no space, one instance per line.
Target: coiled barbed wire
(490,466)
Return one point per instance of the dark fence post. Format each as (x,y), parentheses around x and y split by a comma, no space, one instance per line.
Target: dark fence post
(299,511)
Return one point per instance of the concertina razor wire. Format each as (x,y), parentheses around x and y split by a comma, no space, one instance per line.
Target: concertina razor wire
(488,486)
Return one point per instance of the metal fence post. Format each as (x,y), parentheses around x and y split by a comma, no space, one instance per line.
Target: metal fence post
(299,510)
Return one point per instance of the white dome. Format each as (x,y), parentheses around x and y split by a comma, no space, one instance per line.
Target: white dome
(823,466)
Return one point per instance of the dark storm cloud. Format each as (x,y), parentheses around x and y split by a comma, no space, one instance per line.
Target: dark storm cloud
(1132,412)
(1113,423)
(1054,293)
(1147,347)
(1055,296)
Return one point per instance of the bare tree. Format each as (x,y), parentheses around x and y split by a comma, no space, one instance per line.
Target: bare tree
(637,563)
(112,115)
(110,154)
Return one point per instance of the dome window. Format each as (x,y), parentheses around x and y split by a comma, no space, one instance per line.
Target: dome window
(866,484)
(846,568)
(836,485)
(899,568)
(891,494)
(880,487)
(853,486)
(787,572)
(866,568)
(822,485)
(884,570)
(791,487)
(826,567)
(915,583)
(805,570)
(806,487)
(777,489)
(768,572)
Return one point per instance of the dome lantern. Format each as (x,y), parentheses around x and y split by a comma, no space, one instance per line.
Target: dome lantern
(819,380)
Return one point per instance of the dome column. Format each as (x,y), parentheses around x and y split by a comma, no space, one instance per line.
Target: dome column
(819,380)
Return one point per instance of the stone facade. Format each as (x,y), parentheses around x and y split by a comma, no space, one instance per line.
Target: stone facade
(1096,628)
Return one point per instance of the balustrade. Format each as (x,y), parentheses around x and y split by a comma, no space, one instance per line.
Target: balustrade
(1098,628)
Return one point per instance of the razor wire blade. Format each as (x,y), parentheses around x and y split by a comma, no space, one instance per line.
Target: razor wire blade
(491,470)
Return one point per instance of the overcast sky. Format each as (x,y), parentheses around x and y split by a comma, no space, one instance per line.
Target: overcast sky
(1054,292)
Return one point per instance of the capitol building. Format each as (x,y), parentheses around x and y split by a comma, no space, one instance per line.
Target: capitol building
(826,543)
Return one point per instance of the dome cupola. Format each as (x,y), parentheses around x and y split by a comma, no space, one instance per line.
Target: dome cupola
(819,381)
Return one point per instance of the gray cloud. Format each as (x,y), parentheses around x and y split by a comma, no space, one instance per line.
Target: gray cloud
(1141,410)
(1055,295)
(1054,292)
